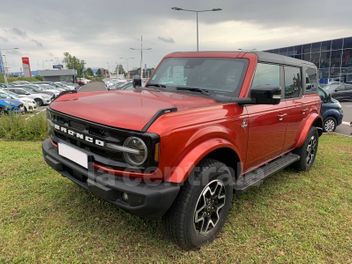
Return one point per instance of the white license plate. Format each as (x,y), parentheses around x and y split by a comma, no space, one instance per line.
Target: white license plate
(73,154)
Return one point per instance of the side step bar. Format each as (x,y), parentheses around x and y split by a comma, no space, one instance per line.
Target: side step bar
(255,177)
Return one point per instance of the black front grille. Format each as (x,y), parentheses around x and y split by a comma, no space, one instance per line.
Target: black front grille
(104,133)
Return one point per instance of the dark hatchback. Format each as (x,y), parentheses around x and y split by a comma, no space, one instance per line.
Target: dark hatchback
(331,111)
(340,91)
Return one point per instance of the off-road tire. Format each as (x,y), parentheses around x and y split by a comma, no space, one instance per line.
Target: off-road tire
(180,219)
(305,162)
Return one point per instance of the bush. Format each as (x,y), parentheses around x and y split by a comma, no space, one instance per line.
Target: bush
(23,127)
(12,79)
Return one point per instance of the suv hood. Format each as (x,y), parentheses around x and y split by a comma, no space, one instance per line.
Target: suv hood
(125,109)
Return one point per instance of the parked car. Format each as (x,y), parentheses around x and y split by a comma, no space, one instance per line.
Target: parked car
(29,104)
(69,85)
(50,86)
(116,85)
(331,111)
(2,85)
(206,124)
(39,98)
(340,91)
(60,85)
(112,83)
(20,82)
(82,81)
(8,105)
(127,86)
(37,89)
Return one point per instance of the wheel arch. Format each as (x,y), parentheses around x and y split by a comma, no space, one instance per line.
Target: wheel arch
(217,148)
(313,120)
(227,156)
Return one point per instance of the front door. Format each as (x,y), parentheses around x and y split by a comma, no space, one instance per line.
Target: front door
(267,129)
(266,123)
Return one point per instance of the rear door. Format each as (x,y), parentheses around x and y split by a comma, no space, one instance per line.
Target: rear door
(296,110)
(266,126)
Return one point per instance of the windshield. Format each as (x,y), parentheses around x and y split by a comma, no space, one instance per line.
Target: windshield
(211,74)
(323,94)
(11,94)
(20,91)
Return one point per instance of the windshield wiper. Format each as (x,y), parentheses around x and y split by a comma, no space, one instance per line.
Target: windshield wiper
(156,85)
(193,89)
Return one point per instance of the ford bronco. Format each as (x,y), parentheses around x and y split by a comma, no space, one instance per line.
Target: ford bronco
(206,124)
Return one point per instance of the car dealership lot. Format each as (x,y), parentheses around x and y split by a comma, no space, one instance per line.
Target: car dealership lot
(345,128)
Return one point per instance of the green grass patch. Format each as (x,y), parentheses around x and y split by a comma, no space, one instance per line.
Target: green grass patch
(291,218)
(23,127)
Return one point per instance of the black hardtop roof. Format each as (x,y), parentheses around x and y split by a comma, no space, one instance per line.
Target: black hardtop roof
(281,59)
(262,56)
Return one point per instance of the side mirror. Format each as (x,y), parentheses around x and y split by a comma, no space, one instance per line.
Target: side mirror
(265,95)
(328,98)
(137,82)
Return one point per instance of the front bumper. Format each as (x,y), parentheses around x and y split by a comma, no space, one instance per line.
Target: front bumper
(144,199)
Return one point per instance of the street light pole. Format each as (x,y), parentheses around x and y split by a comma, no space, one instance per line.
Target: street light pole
(5,69)
(141,50)
(197,17)
(5,64)
(197,30)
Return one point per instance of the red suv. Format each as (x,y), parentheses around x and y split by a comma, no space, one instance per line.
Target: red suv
(205,125)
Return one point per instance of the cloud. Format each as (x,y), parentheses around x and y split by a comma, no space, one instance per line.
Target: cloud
(100,32)
(37,43)
(19,32)
(166,40)
(3,39)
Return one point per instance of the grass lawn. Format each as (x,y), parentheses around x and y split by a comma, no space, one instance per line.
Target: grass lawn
(303,218)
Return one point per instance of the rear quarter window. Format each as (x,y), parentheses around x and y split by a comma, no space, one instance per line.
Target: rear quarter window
(293,82)
(311,81)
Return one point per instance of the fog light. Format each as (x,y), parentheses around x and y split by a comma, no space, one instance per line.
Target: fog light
(125,197)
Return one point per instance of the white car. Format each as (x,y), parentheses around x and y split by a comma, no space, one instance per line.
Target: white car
(39,98)
(29,104)
(51,88)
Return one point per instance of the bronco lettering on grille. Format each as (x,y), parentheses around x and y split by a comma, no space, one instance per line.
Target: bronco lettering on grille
(80,136)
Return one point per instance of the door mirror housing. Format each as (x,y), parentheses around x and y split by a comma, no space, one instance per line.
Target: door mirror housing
(137,82)
(265,95)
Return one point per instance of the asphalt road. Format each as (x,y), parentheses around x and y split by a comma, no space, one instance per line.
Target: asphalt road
(345,127)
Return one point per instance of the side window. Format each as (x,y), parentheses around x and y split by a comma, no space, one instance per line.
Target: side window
(311,81)
(266,75)
(293,82)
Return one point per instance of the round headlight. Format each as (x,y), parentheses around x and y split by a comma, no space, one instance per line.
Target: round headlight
(141,151)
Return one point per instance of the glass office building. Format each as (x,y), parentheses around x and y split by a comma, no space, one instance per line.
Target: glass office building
(332,57)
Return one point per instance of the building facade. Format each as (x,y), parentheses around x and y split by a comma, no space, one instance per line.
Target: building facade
(332,57)
(58,75)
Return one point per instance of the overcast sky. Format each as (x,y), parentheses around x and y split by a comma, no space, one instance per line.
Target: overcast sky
(102,31)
